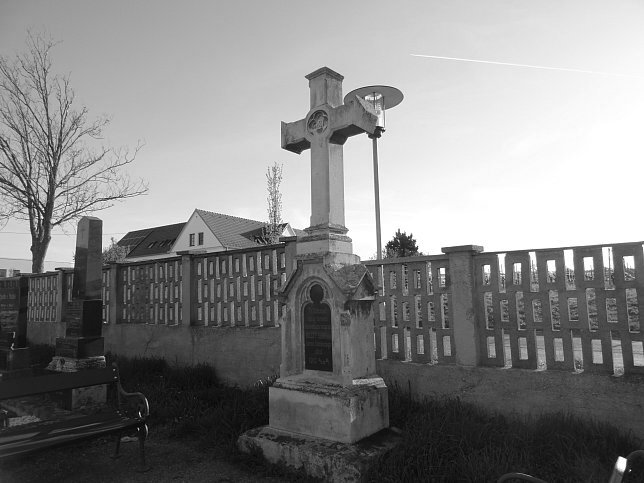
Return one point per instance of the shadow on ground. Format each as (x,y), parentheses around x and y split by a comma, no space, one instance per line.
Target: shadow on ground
(170,460)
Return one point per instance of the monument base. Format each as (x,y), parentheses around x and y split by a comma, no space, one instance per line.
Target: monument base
(83,397)
(80,347)
(345,414)
(319,458)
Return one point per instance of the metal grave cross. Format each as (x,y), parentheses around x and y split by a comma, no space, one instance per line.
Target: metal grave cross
(324,130)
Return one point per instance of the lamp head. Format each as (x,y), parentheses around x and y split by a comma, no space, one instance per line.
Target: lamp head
(380,98)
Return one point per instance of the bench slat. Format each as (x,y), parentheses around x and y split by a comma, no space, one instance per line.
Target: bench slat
(33,437)
(30,386)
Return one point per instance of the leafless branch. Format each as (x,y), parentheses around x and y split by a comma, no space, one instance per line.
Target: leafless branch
(51,172)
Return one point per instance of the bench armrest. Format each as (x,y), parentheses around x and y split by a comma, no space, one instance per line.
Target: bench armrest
(137,402)
(141,406)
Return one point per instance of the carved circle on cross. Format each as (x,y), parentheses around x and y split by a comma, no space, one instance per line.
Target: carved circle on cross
(318,122)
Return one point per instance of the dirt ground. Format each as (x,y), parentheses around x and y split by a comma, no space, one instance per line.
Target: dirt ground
(170,460)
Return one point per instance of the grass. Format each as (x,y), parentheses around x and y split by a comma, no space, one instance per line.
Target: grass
(443,440)
(449,440)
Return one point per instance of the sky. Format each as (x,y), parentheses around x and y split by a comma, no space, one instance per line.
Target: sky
(502,156)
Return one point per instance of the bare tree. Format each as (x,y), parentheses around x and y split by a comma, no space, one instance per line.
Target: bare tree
(273,181)
(52,171)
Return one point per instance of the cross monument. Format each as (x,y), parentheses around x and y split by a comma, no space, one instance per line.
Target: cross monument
(324,130)
(328,396)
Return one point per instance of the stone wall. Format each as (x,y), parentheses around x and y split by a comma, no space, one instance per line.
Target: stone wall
(240,355)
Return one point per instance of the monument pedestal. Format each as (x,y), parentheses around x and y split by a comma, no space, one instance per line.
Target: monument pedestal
(80,347)
(83,397)
(319,458)
(338,413)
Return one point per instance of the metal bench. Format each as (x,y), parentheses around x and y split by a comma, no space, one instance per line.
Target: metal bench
(127,414)
(621,469)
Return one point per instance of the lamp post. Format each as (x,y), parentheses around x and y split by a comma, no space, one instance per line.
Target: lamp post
(380,98)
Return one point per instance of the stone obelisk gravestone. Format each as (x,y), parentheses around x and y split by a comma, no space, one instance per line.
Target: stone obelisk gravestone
(83,344)
(328,396)
(14,354)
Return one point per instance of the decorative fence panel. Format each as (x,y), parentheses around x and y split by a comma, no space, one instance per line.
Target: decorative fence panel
(148,292)
(238,288)
(571,309)
(412,309)
(43,299)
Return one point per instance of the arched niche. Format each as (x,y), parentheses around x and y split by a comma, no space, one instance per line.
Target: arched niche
(317,332)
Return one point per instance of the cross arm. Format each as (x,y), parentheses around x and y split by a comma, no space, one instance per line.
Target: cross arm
(294,136)
(353,118)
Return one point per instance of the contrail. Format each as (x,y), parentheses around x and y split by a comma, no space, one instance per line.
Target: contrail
(545,67)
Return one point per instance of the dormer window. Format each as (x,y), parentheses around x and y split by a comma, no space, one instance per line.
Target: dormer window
(150,245)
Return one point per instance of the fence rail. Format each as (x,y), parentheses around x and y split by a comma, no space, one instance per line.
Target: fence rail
(572,309)
(412,314)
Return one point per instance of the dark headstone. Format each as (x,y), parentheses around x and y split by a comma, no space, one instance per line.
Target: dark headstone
(83,316)
(88,261)
(13,312)
(318,354)
(14,354)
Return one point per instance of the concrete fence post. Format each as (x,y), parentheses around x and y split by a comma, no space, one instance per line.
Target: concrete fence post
(114,293)
(186,288)
(462,284)
(60,294)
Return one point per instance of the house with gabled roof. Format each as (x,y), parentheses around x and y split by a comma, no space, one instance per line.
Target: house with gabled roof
(204,231)
(218,232)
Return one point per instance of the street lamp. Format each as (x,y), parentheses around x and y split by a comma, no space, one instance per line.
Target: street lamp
(380,98)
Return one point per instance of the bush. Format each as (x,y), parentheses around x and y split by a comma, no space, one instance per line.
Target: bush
(192,402)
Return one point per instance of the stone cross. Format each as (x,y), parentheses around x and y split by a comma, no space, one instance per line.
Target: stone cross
(324,130)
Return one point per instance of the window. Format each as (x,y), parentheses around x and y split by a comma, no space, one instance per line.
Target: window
(150,245)
(192,240)
(200,238)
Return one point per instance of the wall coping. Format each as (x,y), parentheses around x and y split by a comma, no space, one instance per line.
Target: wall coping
(462,248)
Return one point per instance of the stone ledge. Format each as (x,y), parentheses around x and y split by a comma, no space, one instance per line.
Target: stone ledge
(319,458)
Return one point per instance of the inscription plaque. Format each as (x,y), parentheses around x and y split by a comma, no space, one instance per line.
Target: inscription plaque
(9,305)
(318,354)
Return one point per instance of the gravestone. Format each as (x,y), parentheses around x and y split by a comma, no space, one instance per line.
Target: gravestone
(328,396)
(14,354)
(83,345)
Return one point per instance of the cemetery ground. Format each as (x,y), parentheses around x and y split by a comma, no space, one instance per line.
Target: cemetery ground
(195,421)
